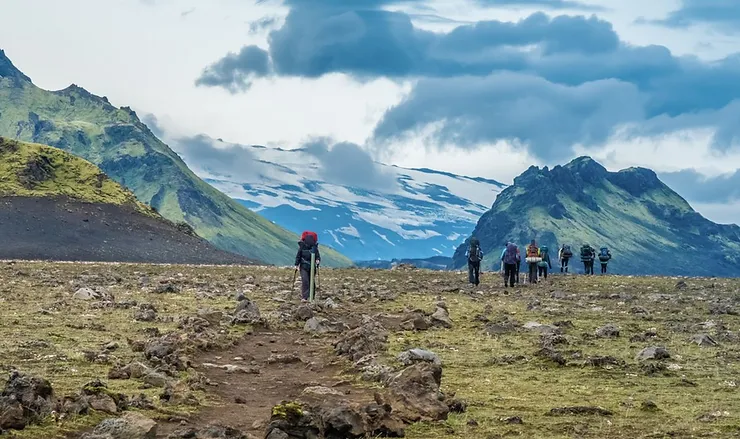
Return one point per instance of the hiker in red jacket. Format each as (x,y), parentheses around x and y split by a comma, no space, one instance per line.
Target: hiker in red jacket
(306,246)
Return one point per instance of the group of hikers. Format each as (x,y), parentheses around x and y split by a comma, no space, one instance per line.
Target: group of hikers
(308,259)
(537,259)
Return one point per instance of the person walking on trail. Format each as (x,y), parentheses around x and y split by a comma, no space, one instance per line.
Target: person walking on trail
(544,264)
(533,259)
(604,257)
(307,246)
(509,258)
(564,255)
(588,254)
(475,256)
(518,264)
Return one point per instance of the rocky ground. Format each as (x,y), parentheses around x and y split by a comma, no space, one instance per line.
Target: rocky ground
(106,351)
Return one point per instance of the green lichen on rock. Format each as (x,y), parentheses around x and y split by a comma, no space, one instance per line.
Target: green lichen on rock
(288,410)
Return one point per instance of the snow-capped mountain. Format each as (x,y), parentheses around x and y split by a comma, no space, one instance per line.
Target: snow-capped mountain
(409,213)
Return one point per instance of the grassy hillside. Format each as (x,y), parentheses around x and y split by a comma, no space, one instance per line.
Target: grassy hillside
(33,170)
(648,227)
(125,149)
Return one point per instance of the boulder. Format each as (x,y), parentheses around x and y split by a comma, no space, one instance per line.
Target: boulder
(129,426)
(246,312)
(370,338)
(415,395)
(26,399)
(303,313)
(441,316)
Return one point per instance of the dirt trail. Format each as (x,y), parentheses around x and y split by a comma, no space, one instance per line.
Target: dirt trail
(244,401)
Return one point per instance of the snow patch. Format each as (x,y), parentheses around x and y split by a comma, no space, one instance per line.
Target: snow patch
(350,230)
(384,238)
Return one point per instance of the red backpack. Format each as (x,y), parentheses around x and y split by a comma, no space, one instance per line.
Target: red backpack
(310,238)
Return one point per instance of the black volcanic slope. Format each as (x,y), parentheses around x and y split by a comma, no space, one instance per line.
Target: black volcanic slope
(64,229)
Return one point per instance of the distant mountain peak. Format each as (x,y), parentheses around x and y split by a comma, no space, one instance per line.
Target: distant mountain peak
(631,211)
(8,70)
(76,90)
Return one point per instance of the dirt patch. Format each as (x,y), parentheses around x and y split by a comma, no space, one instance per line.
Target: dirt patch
(245,401)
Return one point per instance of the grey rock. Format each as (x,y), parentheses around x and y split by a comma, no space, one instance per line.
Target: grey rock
(85,294)
(441,317)
(544,329)
(653,353)
(412,356)
(130,426)
(704,340)
(303,313)
(320,325)
(155,379)
(609,330)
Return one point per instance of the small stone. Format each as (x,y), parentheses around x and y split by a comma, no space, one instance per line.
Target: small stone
(704,340)
(649,406)
(653,353)
(512,420)
(609,330)
(407,358)
(321,391)
(240,400)
(85,294)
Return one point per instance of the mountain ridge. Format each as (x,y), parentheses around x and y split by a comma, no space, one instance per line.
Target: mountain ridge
(115,139)
(643,221)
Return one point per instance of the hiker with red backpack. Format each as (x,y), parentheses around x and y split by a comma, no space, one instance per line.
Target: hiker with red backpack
(533,259)
(308,252)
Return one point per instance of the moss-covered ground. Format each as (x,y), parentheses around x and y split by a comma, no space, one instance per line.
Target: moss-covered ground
(691,394)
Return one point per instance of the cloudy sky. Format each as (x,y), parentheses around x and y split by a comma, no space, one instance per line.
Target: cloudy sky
(478,87)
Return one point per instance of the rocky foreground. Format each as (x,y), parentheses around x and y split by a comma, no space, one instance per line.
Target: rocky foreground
(105,351)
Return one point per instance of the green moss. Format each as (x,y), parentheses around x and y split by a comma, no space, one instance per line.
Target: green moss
(288,410)
(57,173)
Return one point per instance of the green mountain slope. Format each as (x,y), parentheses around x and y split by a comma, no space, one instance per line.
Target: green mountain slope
(56,206)
(125,149)
(32,170)
(649,228)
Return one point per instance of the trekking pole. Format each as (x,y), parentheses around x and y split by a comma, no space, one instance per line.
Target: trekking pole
(295,274)
(312,284)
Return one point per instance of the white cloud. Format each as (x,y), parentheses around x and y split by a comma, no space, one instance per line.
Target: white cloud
(147,56)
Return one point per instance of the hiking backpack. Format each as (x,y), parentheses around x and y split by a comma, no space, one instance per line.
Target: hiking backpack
(544,251)
(604,255)
(511,256)
(308,244)
(586,253)
(567,252)
(474,252)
